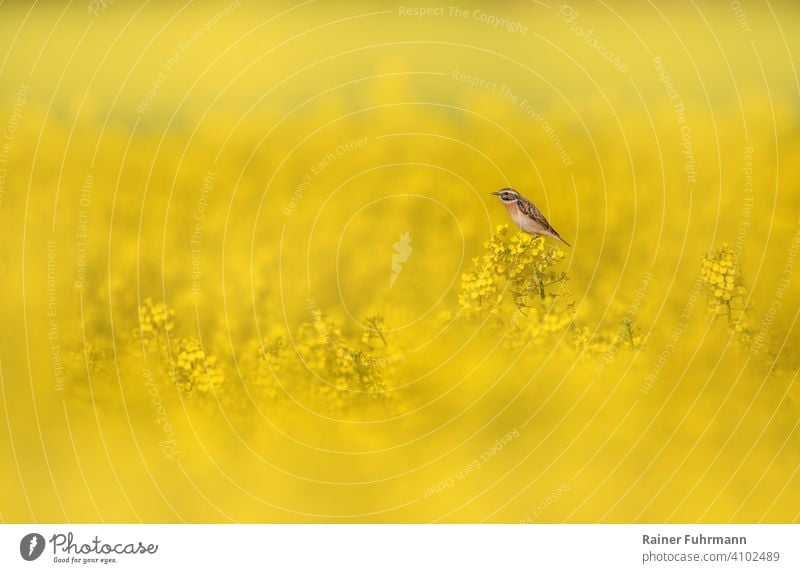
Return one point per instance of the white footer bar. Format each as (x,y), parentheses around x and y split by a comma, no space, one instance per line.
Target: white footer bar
(401,548)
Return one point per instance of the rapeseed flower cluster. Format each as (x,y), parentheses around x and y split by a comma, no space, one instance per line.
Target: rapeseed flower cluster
(320,365)
(600,342)
(725,288)
(156,320)
(265,361)
(603,344)
(519,268)
(518,265)
(196,372)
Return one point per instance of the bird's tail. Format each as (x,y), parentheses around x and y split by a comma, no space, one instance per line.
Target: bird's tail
(557,236)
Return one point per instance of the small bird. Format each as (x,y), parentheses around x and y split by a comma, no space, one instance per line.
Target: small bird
(525,214)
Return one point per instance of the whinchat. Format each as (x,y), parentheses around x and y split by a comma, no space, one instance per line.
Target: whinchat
(525,214)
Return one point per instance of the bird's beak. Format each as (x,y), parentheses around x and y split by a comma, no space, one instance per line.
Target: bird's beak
(497,193)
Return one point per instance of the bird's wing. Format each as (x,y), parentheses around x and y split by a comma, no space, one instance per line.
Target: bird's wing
(529,209)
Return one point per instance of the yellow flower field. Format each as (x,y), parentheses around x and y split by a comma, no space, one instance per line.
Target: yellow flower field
(254,271)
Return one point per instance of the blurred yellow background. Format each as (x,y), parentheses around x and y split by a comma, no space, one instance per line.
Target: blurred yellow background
(235,234)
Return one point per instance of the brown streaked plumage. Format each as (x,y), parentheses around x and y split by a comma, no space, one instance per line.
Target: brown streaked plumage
(525,214)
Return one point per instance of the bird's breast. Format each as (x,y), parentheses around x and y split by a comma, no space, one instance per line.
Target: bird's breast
(520,219)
